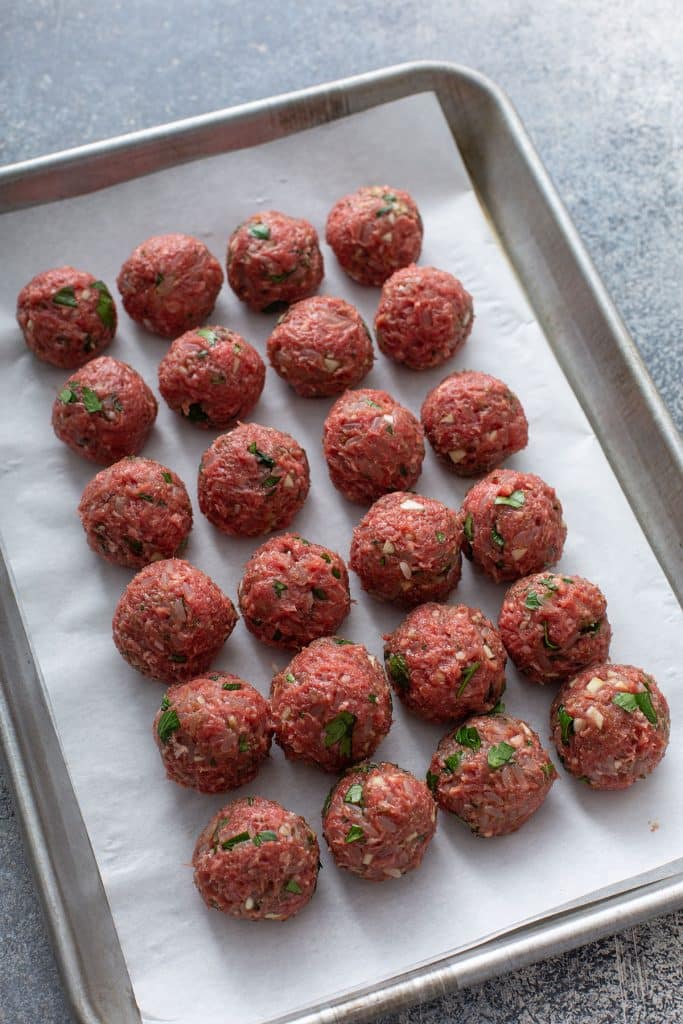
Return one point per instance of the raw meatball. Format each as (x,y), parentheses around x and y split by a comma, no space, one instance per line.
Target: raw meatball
(554,626)
(321,346)
(372,445)
(331,705)
(104,411)
(406,549)
(492,772)
(513,525)
(67,316)
(170,283)
(446,662)
(136,511)
(610,725)
(256,861)
(374,231)
(474,422)
(378,821)
(213,733)
(253,480)
(424,316)
(212,376)
(274,259)
(293,592)
(172,621)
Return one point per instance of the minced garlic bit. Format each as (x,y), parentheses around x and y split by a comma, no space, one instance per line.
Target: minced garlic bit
(388,548)
(405,569)
(518,553)
(595,716)
(412,506)
(595,684)
(457,455)
(331,364)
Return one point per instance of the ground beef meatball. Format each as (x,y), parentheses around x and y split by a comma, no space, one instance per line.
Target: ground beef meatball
(378,821)
(172,621)
(424,316)
(212,377)
(256,861)
(321,346)
(170,283)
(406,549)
(373,232)
(104,411)
(67,316)
(253,480)
(554,626)
(474,422)
(213,732)
(492,772)
(136,511)
(513,525)
(610,725)
(446,662)
(274,260)
(331,705)
(372,445)
(293,592)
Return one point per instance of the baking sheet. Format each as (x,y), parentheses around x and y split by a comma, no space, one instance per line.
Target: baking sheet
(187,963)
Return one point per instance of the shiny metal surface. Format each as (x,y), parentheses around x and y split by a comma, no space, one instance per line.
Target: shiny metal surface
(598,358)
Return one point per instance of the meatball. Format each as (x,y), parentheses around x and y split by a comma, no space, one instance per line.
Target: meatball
(372,445)
(253,480)
(104,411)
(331,705)
(512,524)
(424,316)
(378,821)
(554,626)
(474,422)
(492,772)
(213,732)
(256,861)
(274,260)
(293,592)
(610,725)
(136,511)
(373,232)
(321,346)
(67,317)
(212,377)
(170,283)
(446,662)
(171,621)
(406,549)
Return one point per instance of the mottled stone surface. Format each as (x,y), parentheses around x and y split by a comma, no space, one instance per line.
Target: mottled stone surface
(599,85)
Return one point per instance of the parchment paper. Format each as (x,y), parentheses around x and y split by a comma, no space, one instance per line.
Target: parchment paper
(188,963)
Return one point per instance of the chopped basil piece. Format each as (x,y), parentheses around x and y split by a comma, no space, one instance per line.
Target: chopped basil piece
(398,670)
(158,279)
(468,736)
(65,297)
(592,628)
(264,837)
(567,579)
(440,536)
(168,723)
(67,395)
(290,677)
(258,230)
(496,538)
(452,763)
(374,405)
(105,305)
(432,780)
(328,800)
(500,755)
(180,659)
(547,642)
(261,457)
(389,429)
(354,794)
(195,413)
(89,399)
(325,557)
(117,405)
(340,642)
(241,837)
(566,723)
(548,769)
(230,686)
(466,675)
(468,527)
(515,500)
(642,700)
(167,477)
(549,583)
(279,278)
(279,587)
(146,497)
(335,572)
(532,600)
(319,594)
(271,481)
(372,697)
(165,703)
(498,710)
(354,834)
(339,730)
(215,676)
(294,887)
(243,744)
(210,336)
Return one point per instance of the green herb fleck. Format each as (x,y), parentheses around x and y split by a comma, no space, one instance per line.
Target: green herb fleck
(271,481)
(325,557)
(547,642)
(354,794)
(500,755)
(294,887)
(231,686)
(372,697)
(566,723)
(532,600)
(158,279)
(339,731)
(168,723)
(290,677)
(567,579)
(548,769)
(328,800)
(592,628)
(496,538)
(261,457)
(515,500)
(373,405)
(105,305)
(466,675)
(279,587)
(354,834)
(319,594)
(468,736)
(340,642)
(146,497)
(335,572)
(165,703)
(452,763)
(210,336)
(264,837)
(398,670)
(134,545)
(432,781)
(468,527)
(642,700)
(167,477)
(258,230)
(67,395)
(243,745)
(180,659)
(241,837)
(549,583)
(440,536)
(65,297)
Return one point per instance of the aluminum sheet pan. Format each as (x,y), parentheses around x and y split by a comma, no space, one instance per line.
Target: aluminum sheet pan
(466,95)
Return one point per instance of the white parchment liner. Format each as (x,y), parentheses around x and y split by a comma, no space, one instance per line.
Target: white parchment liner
(188,963)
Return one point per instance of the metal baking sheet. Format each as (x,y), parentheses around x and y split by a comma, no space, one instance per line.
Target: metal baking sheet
(468,102)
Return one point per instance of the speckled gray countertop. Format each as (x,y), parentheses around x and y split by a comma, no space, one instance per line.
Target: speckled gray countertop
(599,85)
